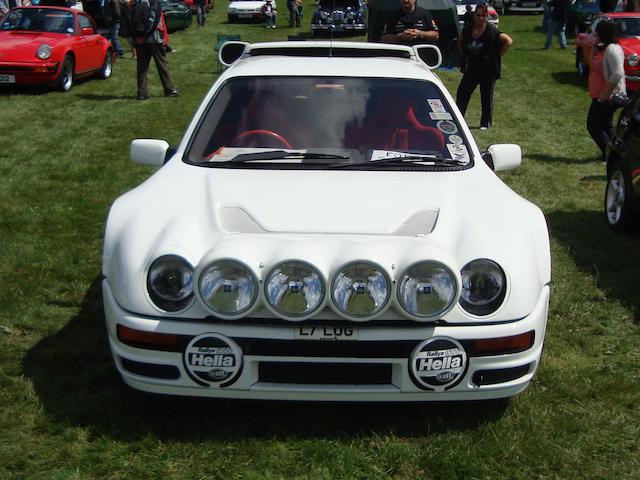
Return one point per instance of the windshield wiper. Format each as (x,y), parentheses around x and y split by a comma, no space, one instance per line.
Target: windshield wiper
(404,159)
(285,155)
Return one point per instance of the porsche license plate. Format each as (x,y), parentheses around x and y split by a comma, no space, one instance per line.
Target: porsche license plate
(310,332)
(7,79)
(245,15)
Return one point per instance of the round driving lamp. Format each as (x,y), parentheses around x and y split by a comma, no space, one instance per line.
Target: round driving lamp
(426,290)
(360,290)
(633,60)
(294,289)
(228,287)
(483,287)
(170,283)
(44,52)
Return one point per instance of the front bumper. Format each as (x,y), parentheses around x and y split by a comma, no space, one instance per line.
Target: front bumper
(275,366)
(344,27)
(28,73)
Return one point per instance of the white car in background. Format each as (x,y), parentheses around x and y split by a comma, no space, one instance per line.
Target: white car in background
(247,10)
(326,230)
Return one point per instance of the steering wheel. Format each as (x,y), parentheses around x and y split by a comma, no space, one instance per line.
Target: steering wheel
(260,138)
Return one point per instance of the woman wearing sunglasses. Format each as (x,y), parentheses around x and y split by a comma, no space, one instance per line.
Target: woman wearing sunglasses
(482,45)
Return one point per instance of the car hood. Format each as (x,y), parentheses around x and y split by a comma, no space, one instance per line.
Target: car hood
(23,45)
(324,217)
(630,45)
(246,5)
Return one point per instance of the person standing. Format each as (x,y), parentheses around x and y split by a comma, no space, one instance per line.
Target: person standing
(410,25)
(113,11)
(606,78)
(269,12)
(482,46)
(294,12)
(201,11)
(149,43)
(557,22)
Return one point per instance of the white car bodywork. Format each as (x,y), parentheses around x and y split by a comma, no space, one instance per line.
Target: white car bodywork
(246,9)
(326,218)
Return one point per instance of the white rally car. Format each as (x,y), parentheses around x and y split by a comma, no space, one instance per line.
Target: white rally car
(327,229)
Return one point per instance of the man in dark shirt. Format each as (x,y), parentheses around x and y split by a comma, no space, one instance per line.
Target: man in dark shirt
(411,25)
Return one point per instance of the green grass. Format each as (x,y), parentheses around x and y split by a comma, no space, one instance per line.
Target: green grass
(64,413)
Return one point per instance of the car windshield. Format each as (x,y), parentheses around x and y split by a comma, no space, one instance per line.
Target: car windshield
(466,2)
(338,4)
(628,27)
(342,120)
(39,20)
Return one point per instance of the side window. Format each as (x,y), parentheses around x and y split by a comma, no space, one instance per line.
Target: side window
(592,27)
(84,22)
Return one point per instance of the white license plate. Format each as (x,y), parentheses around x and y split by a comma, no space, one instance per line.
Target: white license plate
(310,332)
(245,15)
(529,4)
(7,79)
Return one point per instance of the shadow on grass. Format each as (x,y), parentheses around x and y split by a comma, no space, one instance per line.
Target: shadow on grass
(76,382)
(567,160)
(610,257)
(570,78)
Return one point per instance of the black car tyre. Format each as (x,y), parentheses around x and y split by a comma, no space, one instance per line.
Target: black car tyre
(619,204)
(583,70)
(65,79)
(107,66)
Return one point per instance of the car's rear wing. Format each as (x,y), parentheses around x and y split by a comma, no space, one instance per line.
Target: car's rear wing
(429,55)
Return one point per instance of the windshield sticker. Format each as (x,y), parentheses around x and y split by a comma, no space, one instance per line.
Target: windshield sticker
(447,126)
(440,116)
(381,154)
(458,152)
(436,105)
(456,139)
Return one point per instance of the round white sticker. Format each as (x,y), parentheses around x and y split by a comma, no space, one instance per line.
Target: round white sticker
(456,140)
(438,363)
(213,360)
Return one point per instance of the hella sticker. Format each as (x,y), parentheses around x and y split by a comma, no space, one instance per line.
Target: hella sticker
(213,360)
(438,363)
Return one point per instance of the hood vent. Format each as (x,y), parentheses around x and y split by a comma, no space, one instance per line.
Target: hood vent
(238,220)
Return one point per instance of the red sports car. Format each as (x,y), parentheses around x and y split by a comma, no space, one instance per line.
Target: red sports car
(629,29)
(51,45)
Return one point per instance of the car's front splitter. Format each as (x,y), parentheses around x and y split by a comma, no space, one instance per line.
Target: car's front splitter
(232,360)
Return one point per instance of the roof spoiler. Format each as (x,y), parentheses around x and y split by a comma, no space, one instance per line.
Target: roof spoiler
(430,55)
(229,52)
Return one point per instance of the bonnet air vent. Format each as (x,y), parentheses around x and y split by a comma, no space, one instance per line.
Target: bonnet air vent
(329,52)
(238,220)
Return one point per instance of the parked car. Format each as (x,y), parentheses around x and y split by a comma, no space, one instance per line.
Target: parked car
(339,16)
(51,46)
(176,14)
(462,6)
(519,6)
(344,239)
(252,10)
(622,195)
(629,39)
(582,13)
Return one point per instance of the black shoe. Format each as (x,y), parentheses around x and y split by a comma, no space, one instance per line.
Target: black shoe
(142,97)
(172,93)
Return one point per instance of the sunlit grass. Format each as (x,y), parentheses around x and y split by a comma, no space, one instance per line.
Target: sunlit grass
(64,413)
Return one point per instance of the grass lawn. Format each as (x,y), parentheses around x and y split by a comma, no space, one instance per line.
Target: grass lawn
(65,414)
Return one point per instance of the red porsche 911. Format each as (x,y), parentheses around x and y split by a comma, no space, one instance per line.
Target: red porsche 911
(51,46)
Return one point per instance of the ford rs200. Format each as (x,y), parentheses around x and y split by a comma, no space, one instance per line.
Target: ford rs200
(327,229)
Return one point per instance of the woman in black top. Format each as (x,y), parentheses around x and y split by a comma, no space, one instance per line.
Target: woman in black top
(481,45)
